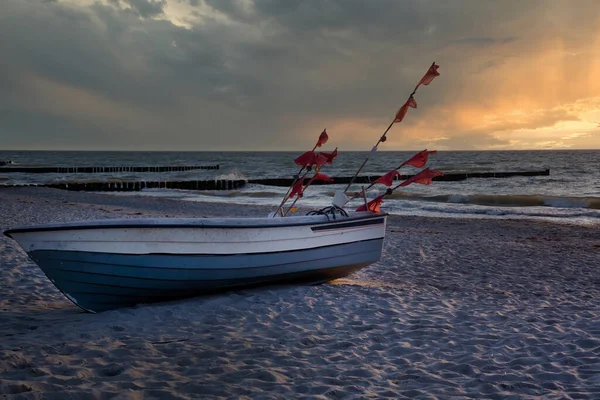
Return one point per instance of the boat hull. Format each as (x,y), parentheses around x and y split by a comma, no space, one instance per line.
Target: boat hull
(110,264)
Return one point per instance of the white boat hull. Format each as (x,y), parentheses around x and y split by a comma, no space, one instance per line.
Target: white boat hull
(107,264)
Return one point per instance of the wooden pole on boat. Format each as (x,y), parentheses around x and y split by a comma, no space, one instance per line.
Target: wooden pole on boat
(383,138)
(364,192)
(429,174)
(317,170)
(283,214)
(287,194)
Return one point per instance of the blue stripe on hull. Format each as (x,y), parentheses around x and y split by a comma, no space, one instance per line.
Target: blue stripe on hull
(101,281)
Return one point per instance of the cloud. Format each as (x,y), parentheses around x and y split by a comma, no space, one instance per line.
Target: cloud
(470,141)
(576,135)
(267,74)
(143,8)
(531,119)
(483,41)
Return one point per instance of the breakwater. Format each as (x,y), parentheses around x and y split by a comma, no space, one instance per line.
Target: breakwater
(124,186)
(100,170)
(228,184)
(372,178)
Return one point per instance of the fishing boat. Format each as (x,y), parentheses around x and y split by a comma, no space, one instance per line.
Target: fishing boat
(106,264)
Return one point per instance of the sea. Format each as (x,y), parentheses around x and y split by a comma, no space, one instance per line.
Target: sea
(569,194)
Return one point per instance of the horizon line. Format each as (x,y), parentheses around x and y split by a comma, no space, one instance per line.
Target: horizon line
(283,151)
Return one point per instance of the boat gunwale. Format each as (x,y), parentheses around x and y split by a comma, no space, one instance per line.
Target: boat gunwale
(188,223)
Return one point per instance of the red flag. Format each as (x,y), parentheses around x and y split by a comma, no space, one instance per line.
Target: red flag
(411,102)
(310,158)
(320,159)
(374,205)
(420,159)
(331,156)
(323,138)
(322,177)
(305,159)
(429,75)
(424,177)
(388,178)
(297,189)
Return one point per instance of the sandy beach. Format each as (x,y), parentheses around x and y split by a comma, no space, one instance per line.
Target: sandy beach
(456,309)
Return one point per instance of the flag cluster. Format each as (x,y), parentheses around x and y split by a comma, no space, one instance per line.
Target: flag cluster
(424,178)
(317,160)
(418,160)
(312,159)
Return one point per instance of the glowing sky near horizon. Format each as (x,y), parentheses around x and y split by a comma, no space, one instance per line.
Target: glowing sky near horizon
(271,74)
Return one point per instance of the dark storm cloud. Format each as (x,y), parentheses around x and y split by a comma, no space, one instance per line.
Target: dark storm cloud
(147,8)
(262,72)
(483,41)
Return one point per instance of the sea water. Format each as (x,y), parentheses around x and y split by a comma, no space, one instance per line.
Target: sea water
(571,193)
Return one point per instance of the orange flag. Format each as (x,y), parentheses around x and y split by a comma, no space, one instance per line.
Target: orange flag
(388,178)
(323,138)
(424,177)
(420,159)
(374,205)
(429,75)
(411,102)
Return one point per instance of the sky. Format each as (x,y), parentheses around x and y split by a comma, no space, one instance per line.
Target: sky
(263,75)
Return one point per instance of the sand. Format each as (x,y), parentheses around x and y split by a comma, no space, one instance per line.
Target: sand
(455,309)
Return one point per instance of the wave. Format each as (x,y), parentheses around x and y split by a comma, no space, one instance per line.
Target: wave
(567,215)
(234,193)
(506,200)
(232,176)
